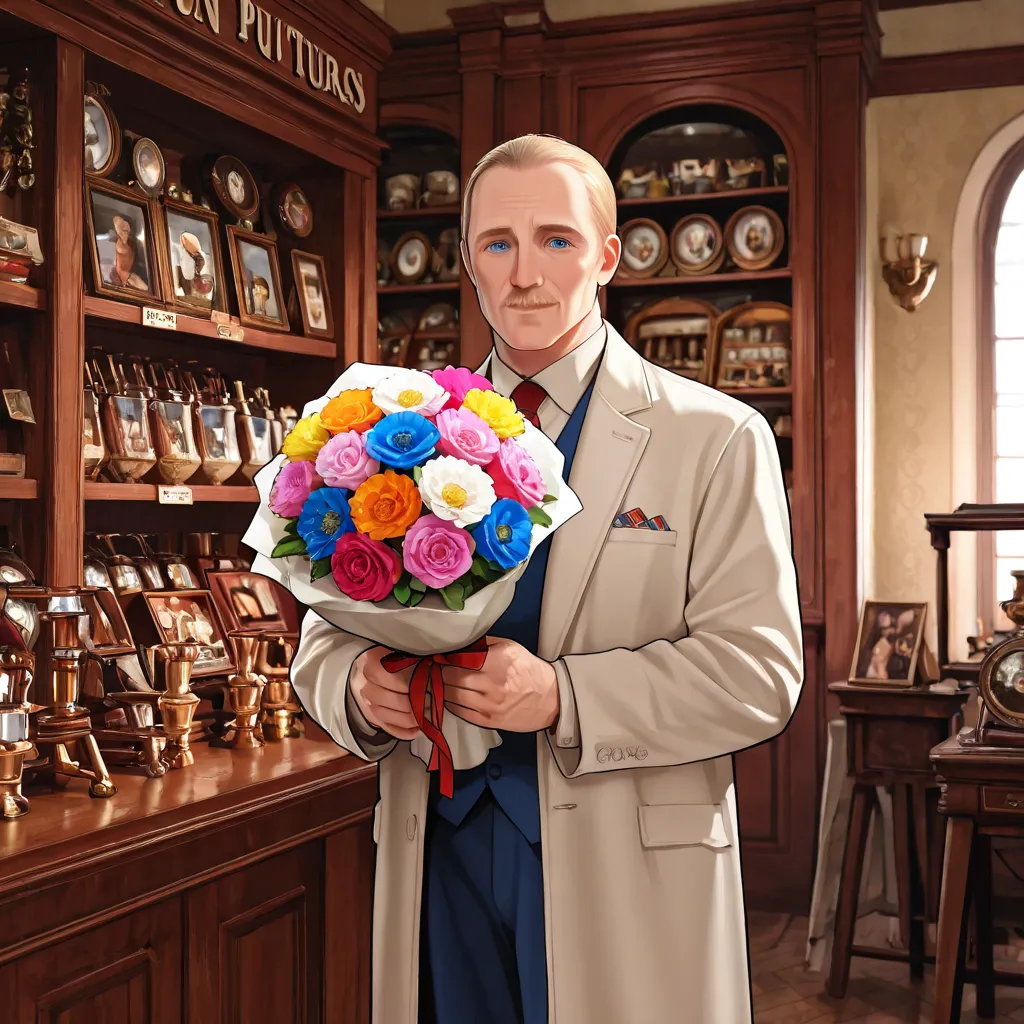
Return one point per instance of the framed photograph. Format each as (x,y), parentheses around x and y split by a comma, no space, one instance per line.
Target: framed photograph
(193,274)
(102,138)
(293,210)
(257,280)
(889,643)
(410,257)
(235,187)
(644,248)
(121,243)
(246,600)
(148,167)
(106,632)
(697,245)
(754,237)
(314,296)
(180,614)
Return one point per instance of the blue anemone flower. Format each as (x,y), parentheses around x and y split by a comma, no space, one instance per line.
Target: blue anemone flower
(503,535)
(402,440)
(325,516)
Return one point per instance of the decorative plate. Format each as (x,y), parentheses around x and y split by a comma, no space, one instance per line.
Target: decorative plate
(697,245)
(754,237)
(644,248)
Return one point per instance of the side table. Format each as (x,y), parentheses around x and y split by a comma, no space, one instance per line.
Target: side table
(982,795)
(890,733)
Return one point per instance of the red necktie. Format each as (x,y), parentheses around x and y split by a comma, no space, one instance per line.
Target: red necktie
(529,397)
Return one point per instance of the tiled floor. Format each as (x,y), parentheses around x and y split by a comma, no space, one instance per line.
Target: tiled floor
(880,992)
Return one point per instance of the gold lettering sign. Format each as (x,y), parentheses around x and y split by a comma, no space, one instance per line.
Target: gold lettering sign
(279,42)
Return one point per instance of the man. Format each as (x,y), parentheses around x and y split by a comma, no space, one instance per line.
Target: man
(589,870)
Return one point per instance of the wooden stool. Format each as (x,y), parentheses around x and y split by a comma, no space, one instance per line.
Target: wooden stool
(982,796)
(889,735)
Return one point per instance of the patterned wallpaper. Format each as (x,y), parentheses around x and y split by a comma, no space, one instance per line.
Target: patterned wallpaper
(925,146)
(955,26)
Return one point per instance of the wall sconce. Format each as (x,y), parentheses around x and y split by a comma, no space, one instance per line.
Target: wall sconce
(905,270)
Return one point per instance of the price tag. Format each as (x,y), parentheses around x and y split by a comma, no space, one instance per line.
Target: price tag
(161,318)
(174,495)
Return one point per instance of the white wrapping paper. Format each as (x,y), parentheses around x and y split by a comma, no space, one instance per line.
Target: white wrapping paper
(431,627)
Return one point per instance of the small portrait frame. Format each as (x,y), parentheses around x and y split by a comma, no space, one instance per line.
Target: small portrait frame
(411,257)
(247,600)
(890,639)
(235,187)
(314,294)
(697,245)
(754,237)
(102,137)
(645,248)
(293,210)
(190,245)
(148,167)
(180,614)
(258,288)
(122,244)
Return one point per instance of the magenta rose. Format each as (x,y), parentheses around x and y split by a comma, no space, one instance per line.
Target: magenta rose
(466,436)
(437,552)
(344,461)
(457,380)
(293,485)
(365,569)
(516,475)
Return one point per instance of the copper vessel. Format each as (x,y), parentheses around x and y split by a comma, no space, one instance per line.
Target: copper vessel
(244,692)
(16,668)
(279,718)
(177,702)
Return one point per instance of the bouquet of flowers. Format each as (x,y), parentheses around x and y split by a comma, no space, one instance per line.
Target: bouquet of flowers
(403,508)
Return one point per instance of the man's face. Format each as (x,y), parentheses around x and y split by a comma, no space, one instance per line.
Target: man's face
(535,253)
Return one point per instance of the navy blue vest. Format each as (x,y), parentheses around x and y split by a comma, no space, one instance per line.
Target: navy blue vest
(510,771)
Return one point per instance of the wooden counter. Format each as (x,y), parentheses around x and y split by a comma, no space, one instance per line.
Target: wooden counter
(237,890)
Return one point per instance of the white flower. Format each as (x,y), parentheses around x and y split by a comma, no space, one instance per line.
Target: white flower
(455,490)
(408,390)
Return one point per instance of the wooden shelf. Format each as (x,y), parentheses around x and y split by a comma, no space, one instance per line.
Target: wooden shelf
(125,313)
(452,210)
(688,281)
(147,492)
(757,392)
(412,289)
(691,197)
(22,295)
(18,487)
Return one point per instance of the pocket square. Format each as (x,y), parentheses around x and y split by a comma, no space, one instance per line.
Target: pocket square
(633,518)
(658,523)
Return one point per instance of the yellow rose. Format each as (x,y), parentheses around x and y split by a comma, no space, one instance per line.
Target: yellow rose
(305,440)
(498,412)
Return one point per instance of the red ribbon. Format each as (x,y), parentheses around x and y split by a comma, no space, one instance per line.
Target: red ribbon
(427,677)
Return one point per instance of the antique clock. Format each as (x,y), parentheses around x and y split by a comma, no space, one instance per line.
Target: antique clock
(1001,683)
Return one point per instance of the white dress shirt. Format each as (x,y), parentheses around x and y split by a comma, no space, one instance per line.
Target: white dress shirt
(565,382)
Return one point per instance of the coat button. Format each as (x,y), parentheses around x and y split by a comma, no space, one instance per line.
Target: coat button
(410,826)
(494,770)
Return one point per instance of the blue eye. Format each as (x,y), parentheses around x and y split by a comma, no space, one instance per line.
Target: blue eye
(493,247)
(559,243)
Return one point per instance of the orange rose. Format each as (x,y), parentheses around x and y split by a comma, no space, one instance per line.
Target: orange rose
(351,410)
(386,505)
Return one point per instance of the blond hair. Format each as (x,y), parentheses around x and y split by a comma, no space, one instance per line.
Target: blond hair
(536,150)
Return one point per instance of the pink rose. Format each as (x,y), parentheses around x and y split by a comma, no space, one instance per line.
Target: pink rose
(293,485)
(365,569)
(466,436)
(516,475)
(437,552)
(457,380)
(344,462)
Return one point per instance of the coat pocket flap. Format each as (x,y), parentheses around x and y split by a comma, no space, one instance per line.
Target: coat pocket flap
(663,825)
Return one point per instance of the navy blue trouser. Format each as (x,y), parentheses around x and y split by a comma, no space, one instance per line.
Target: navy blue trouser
(482,956)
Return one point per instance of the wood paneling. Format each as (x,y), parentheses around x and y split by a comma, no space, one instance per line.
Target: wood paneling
(950,72)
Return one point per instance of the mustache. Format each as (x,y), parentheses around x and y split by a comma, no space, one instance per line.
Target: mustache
(528,300)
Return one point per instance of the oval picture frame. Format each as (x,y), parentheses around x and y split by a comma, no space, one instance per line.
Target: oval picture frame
(660,258)
(748,260)
(226,188)
(988,670)
(101,109)
(715,253)
(410,275)
(142,177)
(291,222)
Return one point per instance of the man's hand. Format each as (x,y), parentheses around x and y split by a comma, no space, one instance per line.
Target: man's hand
(381,696)
(514,691)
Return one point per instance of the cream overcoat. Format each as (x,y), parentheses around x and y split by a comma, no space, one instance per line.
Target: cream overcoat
(682,648)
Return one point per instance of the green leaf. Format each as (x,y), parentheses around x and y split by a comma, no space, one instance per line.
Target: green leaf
(417,474)
(539,517)
(320,568)
(292,528)
(547,499)
(289,546)
(418,585)
(479,568)
(417,596)
(402,592)
(454,596)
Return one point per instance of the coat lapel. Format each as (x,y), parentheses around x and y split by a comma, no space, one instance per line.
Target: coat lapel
(610,448)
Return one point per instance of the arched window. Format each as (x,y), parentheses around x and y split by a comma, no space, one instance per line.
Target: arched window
(1001,380)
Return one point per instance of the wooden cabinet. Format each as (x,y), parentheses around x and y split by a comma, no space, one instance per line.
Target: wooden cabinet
(233,892)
